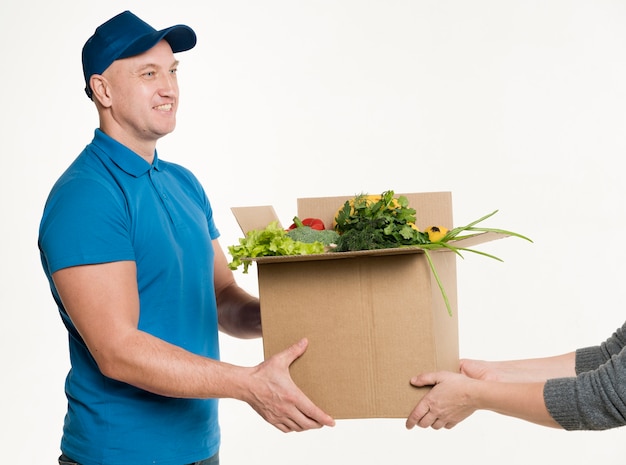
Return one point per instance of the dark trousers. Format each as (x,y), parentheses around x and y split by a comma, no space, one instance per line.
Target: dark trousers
(215,460)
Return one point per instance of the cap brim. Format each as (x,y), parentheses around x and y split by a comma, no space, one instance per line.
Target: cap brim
(180,38)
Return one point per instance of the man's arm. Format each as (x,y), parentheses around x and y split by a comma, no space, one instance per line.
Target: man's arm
(238,312)
(102,301)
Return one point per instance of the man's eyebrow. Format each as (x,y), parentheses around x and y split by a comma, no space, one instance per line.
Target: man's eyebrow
(154,65)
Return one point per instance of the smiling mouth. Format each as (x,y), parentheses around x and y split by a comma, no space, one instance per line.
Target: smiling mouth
(164,107)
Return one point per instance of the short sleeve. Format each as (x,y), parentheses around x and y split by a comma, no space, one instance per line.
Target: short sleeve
(84,222)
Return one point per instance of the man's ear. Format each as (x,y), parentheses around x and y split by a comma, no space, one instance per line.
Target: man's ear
(101,89)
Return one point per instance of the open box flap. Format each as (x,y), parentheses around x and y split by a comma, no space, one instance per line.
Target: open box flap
(251,218)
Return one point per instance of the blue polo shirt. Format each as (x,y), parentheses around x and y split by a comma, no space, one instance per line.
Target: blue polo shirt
(112,205)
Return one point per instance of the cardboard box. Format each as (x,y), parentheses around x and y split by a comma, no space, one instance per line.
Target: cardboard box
(373,319)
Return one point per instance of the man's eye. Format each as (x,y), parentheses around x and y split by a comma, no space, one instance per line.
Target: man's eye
(149,73)
(173,71)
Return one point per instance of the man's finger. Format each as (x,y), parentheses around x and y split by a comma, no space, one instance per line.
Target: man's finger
(424,379)
(294,351)
(416,416)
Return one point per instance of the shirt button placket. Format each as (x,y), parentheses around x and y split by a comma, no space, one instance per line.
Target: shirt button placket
(154,178)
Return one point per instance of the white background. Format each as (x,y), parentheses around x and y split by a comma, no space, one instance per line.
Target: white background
(518,106)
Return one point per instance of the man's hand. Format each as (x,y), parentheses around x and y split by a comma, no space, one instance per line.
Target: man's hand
(275,397)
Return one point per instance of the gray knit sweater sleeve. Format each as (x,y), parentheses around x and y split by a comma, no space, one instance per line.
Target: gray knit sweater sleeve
(596,398)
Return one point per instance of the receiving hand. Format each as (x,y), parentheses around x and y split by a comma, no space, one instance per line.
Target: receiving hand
(479,369)
(446,404)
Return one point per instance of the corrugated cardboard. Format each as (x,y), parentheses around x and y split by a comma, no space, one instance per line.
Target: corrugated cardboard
(373,319)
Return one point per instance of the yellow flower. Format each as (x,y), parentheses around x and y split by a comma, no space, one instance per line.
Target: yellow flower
(436,233)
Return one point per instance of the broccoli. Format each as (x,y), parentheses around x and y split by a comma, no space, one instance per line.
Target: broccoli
(309,235)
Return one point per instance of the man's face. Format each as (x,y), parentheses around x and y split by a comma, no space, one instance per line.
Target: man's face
(144,95)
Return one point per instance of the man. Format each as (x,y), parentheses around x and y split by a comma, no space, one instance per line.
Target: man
(130,248)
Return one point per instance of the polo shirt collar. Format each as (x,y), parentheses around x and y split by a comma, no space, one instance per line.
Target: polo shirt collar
(122,156)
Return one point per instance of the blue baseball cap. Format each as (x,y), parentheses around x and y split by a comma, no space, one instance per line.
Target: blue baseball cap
(125,35)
